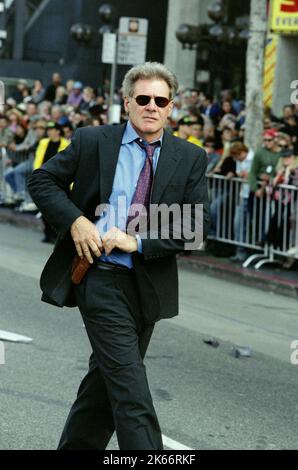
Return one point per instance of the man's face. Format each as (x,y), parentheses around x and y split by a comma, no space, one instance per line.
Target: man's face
(56,114)
(53,134)
(149,120)
(197,130)
(288,111)
(40,129)
(269,142)
(31,109)
(3,123)
(241,156)
(56,78)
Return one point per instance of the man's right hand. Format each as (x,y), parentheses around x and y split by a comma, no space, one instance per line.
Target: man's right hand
(86,238)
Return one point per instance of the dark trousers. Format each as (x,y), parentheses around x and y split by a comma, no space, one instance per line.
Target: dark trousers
(114,395)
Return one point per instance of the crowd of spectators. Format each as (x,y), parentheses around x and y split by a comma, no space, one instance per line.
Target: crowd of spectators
(37,122)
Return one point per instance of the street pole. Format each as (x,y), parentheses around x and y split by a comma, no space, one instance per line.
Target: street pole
(19,31)
(112,106)
(113,74)
(254,74)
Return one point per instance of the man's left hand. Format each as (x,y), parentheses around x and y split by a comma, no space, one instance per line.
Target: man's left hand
(115,238)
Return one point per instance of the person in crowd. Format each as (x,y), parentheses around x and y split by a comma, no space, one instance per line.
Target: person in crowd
(284,200)
(68,130)
(22,91)
(197,128)
(264,163)
(57,114)
(184,131)
(31,113)
(47,148)
(75,98)
(6,134)
(38,92)
(243,157)
(50,94)
(262,170)
(210,108)
(213,156)
(15,118)
(60,96)
(226,108)
(89,99)
(23,154)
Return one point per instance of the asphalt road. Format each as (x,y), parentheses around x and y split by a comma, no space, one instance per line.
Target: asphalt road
(205,398)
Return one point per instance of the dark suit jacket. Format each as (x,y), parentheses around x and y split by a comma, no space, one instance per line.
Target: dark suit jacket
(90,163)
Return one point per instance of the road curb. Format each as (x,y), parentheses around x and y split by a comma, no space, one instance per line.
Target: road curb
(8,216)
(246,276)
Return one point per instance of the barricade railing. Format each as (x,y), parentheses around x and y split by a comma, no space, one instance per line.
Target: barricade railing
(15,168)
(284,221)
(266,225)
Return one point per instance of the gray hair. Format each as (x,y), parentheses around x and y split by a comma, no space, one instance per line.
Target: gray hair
(149,71)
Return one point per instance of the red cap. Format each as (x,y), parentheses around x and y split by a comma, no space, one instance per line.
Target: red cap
(272,133)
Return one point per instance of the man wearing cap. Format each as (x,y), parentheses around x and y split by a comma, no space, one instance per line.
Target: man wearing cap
(51,145)
(132,282)
(262,170)
(184,130)
(264,162)
(76,96)
(47,148)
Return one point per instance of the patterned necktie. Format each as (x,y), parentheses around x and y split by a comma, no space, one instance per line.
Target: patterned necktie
(144,184)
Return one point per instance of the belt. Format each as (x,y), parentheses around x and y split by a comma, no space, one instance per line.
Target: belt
(112,267)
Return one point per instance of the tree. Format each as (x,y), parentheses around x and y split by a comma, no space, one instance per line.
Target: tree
(254,73)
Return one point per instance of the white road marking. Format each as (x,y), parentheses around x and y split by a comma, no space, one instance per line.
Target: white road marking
(174,445)
(13,337)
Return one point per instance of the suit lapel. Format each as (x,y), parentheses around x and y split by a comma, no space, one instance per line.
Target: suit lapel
(166,167)
(109,148)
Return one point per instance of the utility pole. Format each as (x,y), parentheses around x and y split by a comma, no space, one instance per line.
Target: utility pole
(254,73)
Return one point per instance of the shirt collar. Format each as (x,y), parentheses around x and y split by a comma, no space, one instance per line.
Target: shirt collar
(130,135)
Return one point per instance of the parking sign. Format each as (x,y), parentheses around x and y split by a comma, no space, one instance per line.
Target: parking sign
(132,40)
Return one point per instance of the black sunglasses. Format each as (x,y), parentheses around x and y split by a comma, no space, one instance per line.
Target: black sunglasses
(160,101)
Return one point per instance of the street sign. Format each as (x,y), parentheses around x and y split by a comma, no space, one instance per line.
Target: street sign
(284,16)
(108,48)
(132,40)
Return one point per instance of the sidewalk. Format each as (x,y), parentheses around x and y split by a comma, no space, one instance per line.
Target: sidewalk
(270,277)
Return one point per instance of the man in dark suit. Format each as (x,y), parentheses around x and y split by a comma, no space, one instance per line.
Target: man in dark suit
(133,280)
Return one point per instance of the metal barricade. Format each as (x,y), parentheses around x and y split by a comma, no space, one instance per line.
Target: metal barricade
(229,197)
(15,168)
(284,221)
(243,220)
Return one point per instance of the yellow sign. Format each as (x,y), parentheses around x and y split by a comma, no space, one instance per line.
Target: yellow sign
(269,68)
(284,16)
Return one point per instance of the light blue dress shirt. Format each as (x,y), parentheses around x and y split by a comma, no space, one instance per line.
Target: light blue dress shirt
(130,163)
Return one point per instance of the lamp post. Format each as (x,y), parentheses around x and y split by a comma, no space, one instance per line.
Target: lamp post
(209,39)
(106,14)
(84,33)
